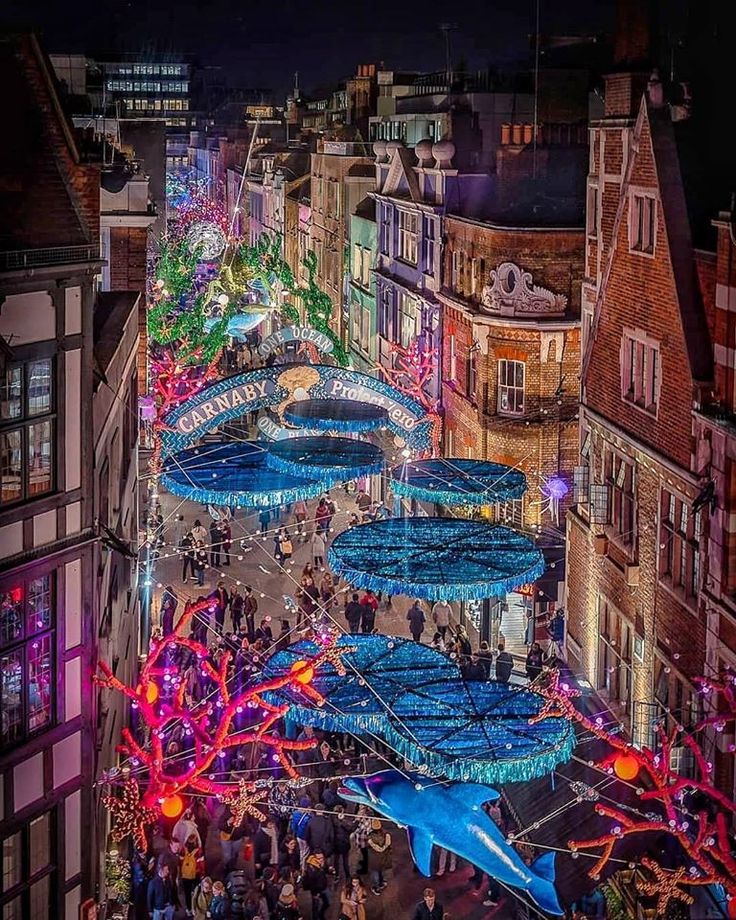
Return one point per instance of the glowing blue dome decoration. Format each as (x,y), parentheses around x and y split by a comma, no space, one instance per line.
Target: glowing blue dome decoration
(234,475)
(416,699)
(435,558)
(457,481)
(339,459)
(336,415)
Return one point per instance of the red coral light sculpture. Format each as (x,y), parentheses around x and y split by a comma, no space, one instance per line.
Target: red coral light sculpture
(704,838)
(210,723)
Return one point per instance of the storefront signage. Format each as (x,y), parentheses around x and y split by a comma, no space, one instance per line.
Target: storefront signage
(296,334)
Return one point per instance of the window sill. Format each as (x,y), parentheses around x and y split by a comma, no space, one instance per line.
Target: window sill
(678,592)
(650,411)
(642,252)
(623,546)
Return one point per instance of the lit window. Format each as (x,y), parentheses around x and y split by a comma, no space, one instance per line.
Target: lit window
(408,319)
(408,230)
(27,620)
(26,430)
(615,643)
(640,370)
(452,362)
(511,387)
(642,217)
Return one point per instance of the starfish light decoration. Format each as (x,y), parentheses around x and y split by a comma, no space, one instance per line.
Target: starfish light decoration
(665,885)
(131,816)
(243,802)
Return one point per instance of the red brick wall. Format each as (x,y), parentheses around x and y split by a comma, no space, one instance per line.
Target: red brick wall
(640,293)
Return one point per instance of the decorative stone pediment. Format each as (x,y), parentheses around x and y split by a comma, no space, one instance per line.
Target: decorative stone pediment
(512,293)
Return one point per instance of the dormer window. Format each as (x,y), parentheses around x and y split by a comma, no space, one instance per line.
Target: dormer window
(642,222)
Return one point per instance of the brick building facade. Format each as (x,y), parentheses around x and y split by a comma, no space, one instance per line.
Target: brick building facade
(635,540)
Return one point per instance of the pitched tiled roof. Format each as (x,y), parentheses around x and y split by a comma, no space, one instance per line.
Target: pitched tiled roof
(47,198)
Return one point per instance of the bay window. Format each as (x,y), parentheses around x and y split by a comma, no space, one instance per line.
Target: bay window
(27,436)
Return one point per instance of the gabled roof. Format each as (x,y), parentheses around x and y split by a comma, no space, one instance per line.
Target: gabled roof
(44,190)
(672,190)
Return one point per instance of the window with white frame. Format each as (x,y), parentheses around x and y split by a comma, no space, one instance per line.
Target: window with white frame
(680,532)
(456,266)
(362,266)
(385,234)
(452,359)
(408,233)
(642,222)
(408,314)
(615,644)
(386,323)
(511,376)
(429,243)
(640,370)
(27,430)
(619,475)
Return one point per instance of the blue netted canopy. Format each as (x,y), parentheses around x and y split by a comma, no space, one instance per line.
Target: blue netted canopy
(417,700)
(234,475)
(435,558)
(320,457)
(458,482)
(336,415)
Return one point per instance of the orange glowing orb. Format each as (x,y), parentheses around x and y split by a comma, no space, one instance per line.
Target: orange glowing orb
(626,766)
(172,806)
(303,672)
(151,693)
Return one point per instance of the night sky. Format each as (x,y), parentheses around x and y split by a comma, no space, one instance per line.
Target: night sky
(262,44)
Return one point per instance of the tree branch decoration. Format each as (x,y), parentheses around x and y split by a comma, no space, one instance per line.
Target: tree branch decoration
(413,369)
(703,834)
(210,726)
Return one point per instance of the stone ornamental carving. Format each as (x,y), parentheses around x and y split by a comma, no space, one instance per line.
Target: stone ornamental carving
(512,293)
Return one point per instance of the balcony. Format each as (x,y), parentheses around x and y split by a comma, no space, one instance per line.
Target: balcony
(20,259)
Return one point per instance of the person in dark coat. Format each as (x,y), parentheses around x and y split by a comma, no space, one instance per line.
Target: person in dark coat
(162,893)
(353,614)
(237,609)
(428,908)
(485,656)
(474,669)
(368,607)
(250,608)
(534,661)
(265,847)
(416,619)
(215,544)
(320,834)
(315,881)
(504,664)
(141,867)
(222,597)
(343,827)
(186,548)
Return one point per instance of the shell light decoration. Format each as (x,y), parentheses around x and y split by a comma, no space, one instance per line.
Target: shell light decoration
(207,238)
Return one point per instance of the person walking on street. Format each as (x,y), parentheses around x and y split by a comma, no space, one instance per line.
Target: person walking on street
(368,605)
(186,549)
(198,532)
(264,519)
(227,541)
(162,897)
(352,899)
(534,661)
(201,899)
(323,516)
(283,547)
(215,544)
(250,609)
(353,614)
(379,855)
(237,608)
(318,550)
(441,613)
(416,619)
(504,664)
(300,516)
(200,562)
(429,907)
(486,659)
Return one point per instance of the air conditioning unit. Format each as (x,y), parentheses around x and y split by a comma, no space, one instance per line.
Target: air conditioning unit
(631,574)
(600,544)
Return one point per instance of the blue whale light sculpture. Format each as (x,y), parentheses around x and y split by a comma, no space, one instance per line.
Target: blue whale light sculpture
(451,817)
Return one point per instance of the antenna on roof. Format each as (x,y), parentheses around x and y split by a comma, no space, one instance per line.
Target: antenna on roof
(446,28)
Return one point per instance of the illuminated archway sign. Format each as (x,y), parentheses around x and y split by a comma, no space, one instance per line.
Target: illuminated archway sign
(296,334)
(278,386)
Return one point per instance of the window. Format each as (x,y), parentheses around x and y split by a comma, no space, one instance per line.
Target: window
(362,266)
(591,212)
(408,231)
(471,374)
(615,643)
(386,320)
(385,229)
(511,387)
(29,856)
(640,370)
(26,431)
(429,243)
(408,319)
(456,268)
(27,621)
(679,544)
(452,363)
(620,480)
(642,217)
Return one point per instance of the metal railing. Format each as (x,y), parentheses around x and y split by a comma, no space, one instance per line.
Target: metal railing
(53,255)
